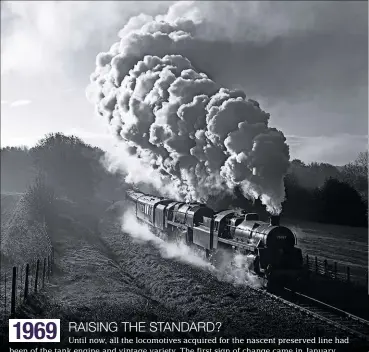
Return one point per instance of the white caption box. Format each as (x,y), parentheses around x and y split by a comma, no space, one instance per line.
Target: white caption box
(34,330)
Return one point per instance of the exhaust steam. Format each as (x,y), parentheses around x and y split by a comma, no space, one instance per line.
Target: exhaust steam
(233,269)
(187,135)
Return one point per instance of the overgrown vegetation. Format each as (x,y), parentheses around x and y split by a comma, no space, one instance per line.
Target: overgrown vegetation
(60,172)
(68,165)
(25,236)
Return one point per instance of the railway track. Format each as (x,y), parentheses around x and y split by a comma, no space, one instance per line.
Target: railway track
(347,321)
(351,324)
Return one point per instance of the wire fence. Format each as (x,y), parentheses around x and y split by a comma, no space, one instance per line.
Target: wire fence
(336,271)
(17,283)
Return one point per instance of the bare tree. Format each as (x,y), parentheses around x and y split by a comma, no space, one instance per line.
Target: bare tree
(362,163)
(356,174)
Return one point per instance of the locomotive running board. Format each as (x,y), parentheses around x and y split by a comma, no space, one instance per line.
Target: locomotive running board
(236,244)
(177,224)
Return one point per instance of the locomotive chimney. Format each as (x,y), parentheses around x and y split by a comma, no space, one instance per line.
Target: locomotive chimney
(274,220)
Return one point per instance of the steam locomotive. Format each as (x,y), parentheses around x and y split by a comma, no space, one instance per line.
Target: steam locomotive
(270,248)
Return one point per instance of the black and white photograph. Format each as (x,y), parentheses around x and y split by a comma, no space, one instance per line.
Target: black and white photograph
(184,176)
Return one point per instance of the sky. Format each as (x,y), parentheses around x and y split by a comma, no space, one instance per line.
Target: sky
(305,62)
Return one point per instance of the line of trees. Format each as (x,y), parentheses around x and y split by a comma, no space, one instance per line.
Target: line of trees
(324,193)
(316,192)
(335,202)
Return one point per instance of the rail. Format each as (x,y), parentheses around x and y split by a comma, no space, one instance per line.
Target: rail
(360,332)
(342,319)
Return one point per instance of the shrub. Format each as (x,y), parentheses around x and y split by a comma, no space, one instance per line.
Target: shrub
(40,198)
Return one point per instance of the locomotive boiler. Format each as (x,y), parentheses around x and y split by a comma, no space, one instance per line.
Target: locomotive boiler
(271,249)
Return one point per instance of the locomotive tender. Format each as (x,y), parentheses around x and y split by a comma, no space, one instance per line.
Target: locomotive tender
(271,248)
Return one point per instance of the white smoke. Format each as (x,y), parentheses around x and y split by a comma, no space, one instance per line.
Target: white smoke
(193,137)
(241,272)
(234,267)
(170,250)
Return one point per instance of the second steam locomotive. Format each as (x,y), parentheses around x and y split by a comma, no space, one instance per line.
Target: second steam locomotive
(271,249)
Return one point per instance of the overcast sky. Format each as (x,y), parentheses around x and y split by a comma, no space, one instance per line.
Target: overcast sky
(305,62)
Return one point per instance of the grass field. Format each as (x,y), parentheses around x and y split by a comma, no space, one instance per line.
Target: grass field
(348,246)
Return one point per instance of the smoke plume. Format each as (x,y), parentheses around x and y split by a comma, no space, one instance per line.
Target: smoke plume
(193,137)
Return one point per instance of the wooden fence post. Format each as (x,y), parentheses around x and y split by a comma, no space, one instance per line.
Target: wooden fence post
(6,293)
(36,276)
(13,297)
(21,283)
(325,267)
(51,263)
(316,264)
(30,275)
(335,270)
(53,260)
(1,288)
(26,282)
(348,274)
(44,273)
(48,267)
